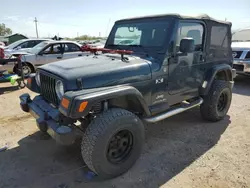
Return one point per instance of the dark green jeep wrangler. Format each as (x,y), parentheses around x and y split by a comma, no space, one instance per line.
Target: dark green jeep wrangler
(151,68)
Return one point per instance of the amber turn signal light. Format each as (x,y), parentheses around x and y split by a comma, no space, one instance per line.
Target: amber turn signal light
(29,81)
(65,103)
(82,106)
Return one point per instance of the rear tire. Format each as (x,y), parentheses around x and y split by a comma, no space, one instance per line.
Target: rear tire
(216,104)
(113,142)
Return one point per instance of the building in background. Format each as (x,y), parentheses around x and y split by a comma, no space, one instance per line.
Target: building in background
(12,38)
(241,35)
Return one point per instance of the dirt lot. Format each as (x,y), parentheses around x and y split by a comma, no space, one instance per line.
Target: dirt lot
(182,151)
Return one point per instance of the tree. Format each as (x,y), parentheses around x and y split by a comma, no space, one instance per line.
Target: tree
(4,30)
(87,37)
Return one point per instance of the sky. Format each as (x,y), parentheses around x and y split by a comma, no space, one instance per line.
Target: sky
(79,17)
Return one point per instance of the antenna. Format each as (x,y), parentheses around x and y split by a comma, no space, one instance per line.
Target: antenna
(107,28)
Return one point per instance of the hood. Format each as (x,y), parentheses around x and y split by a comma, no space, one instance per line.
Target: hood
(17,52)
(14,50)
(101,70)
(240,45)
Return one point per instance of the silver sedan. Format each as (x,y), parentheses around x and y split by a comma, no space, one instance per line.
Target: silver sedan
(46,52)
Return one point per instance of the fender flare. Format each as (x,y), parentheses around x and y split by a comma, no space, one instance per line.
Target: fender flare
(93,96)
(210,76)
(32,85)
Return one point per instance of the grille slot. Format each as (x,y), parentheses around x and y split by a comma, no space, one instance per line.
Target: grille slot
(238,67)
(48,88)
(237,54)
(248,55)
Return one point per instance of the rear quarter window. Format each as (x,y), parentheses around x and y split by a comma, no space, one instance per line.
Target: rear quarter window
(219,42)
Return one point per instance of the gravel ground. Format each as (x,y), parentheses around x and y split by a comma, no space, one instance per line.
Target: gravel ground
(182,151)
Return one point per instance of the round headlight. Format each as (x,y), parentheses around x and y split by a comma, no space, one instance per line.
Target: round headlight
(37,77)
(59,89)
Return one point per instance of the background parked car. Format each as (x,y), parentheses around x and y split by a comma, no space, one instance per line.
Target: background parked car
(47,52)
(2,44)
(22,45)
(241,51)
(99,44)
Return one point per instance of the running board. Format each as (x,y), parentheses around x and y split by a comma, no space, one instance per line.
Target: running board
(175,111)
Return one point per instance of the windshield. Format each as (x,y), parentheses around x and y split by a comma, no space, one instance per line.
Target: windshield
(36,49)
(143,33)
(15,44)
(241,36)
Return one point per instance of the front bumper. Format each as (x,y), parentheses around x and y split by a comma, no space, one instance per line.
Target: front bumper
(241,66)
(48,118)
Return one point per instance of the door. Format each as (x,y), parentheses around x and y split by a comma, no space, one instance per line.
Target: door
(71,50)
(184,73)
(50,54)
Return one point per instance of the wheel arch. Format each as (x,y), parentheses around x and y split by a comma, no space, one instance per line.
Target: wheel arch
(128,102)
(218,72)
(28,63)
(126,97)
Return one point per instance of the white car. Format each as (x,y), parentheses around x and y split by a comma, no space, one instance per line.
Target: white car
(241,52)
(2,44)
(22,45)
(46,52)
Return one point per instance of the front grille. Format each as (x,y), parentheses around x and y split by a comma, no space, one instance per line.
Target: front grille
(48,88)
(248,55)
(238,67)
(237,54)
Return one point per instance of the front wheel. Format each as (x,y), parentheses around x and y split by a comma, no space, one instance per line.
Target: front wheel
(27,70)
(113,142)
(216,104)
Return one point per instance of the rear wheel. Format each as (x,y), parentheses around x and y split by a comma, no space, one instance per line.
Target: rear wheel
(216,104)
(113,142)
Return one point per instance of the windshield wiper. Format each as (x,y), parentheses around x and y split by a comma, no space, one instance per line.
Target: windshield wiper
(142,48)
(114,45)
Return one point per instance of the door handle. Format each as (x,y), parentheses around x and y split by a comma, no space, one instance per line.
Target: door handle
(59,57)
(79,54)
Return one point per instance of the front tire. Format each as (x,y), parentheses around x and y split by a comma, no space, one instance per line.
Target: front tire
(27,69)
(113,142)
(216,104)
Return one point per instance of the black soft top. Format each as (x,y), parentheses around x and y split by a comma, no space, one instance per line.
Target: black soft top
(199,17)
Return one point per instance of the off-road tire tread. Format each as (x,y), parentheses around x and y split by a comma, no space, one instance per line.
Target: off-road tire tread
(96,127)
(207,108)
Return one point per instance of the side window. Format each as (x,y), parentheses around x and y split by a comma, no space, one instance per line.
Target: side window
(192,30)
(23,45)
(53,49)
(219,44)
(71,47)
(38,42)
(31,44)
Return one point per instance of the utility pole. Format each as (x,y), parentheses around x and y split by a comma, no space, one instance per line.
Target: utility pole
(36,27)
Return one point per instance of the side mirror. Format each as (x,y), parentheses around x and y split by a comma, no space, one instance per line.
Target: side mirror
(187,45)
